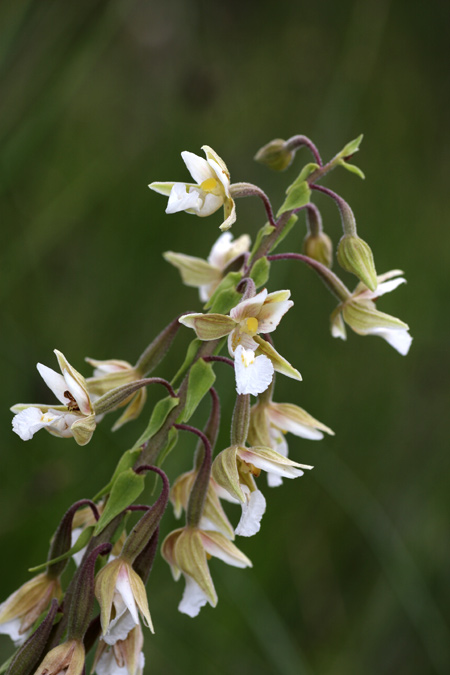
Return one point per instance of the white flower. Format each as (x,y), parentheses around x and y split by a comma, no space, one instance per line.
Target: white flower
(121,595)
(125,657)
(206,275)
(253,373)
(259,314)
(75,417)
(253,510)
(210,191)
(360,313)
(269,422)
(187,550)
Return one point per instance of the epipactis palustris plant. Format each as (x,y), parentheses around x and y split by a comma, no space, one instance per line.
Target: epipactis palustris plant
(51,620)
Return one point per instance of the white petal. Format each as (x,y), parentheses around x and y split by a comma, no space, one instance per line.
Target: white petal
(382,289)
(78,392)
(124,588)
(279,444)
(253,374)
(119,627)
(271,466)
(289,424)
(221,175)
(250,307)
(54,381)
(210,204)
(252,512)
(107,665)
(181,200)
(77,557)
(12,629)
(399,339)
(216,551)
(219,252)
(193,598)
(198,167)
(26,423)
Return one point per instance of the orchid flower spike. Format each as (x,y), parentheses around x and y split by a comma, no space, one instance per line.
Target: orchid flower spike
(74,417)
(360,313)
(210,191)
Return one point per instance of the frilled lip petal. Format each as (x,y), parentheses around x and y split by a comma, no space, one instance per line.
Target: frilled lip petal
(253,373)
(253,510)
(194,598)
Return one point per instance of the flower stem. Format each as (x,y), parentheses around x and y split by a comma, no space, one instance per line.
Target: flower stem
(199,489)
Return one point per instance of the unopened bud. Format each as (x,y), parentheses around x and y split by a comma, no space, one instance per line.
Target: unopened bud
(355,256)
(319,247)
(275,155)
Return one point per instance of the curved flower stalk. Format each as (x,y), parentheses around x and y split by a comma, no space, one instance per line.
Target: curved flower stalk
(19,612)
(210,191)
(234,470)
(115,373)
(122,597)
(75,417)
(206,275)
(360,313)
(186,550)
(125,657)
(259,314)
(269,422)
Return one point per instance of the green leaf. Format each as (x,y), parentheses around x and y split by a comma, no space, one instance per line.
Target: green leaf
(352,168)
(201,379)
(307,170)
(159,416)
(80,543)
(260,272)
(351,147)
(263,232)
(125,490)
(285,231)
(226,300)
(190,354)
(127,460)
(298,195)
(229,282)
(172,439)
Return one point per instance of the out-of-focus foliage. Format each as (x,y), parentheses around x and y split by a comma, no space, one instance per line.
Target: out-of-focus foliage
(97,100)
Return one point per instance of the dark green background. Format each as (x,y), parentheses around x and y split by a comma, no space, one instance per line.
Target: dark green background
(98,99)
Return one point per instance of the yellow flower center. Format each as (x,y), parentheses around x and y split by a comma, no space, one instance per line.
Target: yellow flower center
(252,325)
(209,184)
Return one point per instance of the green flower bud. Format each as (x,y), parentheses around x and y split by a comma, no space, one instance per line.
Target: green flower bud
(355,256)
(275,155)
(319,247)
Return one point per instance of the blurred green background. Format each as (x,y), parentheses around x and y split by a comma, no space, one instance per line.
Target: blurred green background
(97,100)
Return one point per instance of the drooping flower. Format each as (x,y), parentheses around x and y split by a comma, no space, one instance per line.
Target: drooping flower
(213,516)
(269,422)
(234,470)
(206,275)
(75,417)
(114,373)
(360,313)
(24,606)
(210,191)
(125,657)
(66,658)
(259,314)
(186,550)
(122,597)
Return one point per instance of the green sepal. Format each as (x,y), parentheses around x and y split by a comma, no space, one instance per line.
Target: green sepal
(159,416)
(351,147)
(192,350)
(228,286)
(201,379)
(172,439)
(260,272)
(352,168)
(265,231)
(298,195)
(127,460)
(80,543)
(125,490)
